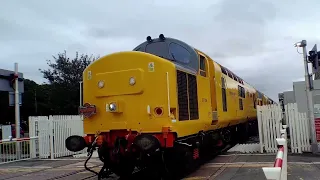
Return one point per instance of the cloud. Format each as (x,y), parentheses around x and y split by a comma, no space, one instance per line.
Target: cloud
(254,39)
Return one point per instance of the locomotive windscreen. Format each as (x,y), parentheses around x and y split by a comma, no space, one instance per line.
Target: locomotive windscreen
(159,49)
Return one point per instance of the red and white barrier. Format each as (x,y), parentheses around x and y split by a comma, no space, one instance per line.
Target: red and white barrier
(17,139)
(279,158)
(279,169)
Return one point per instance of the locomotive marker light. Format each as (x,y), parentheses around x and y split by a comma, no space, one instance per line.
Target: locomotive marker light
(132,81)
(112,107)
(308,80)
(101,84)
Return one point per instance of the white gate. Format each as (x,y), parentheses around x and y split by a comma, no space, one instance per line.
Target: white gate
(299,129)
(270,122)
(53,131)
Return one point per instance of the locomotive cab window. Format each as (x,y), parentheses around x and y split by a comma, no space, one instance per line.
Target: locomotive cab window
(202,69)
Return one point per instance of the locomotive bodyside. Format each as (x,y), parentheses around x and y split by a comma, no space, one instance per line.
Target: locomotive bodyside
(156,100)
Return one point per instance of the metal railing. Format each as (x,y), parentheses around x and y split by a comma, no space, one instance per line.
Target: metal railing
(279,169)
(18,149)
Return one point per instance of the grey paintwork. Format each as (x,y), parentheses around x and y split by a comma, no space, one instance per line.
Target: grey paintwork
(4,83)
(288,97)
(163,50)
(299,96)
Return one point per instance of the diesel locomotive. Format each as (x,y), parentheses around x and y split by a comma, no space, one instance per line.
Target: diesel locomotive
(165,104)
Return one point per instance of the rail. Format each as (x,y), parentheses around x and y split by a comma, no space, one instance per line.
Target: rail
(279,169)
(17,149)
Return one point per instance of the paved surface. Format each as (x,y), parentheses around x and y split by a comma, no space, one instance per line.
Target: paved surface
(71,169)
(223,167)
(243,167)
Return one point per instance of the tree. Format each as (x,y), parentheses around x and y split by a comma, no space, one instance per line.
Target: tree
(64,75)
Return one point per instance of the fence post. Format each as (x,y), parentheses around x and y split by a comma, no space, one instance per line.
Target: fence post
(32,142)
(259,113)
(51,137)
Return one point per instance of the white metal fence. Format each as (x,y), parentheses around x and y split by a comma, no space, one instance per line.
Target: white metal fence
(17,149)
(270,122)
(53,131)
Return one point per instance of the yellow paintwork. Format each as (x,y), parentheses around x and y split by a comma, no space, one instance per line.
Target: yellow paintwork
(153,87)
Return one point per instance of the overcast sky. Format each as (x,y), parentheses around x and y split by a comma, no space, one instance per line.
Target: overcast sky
(253,38)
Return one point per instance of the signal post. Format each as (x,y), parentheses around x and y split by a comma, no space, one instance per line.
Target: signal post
(313,58)
(12,82)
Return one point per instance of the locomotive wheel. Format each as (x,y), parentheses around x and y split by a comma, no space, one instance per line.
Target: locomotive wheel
(187,162)
(226,136)
(243,133)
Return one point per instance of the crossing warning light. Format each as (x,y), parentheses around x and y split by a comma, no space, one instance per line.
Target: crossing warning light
(12,79)
(313,58)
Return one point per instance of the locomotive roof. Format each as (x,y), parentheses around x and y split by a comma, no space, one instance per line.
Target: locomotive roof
(172,49)
(176,51)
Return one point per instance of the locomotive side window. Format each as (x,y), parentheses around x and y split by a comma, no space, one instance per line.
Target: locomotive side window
(202,69)
(254,101)
(241,94)
(179,53)
(223,70)
(224,95)
(235,77)
(240,104)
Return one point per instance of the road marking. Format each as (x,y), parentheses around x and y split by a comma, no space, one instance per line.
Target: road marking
(25,167)
(217,173)
(267,162)
(196,177)
(269,154)
(238,165)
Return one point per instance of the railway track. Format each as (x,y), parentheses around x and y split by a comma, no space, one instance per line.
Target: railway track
(143,174)
(83,174)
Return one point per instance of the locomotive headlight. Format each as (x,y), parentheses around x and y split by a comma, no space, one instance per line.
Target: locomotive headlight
(112,107)
(132,81)
(101,84)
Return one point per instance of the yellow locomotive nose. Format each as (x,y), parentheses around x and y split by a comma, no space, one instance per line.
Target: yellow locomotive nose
(129,90)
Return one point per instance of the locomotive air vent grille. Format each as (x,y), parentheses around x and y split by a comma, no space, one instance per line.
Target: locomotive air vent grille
(182,95)
(187,85)
(193,97)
